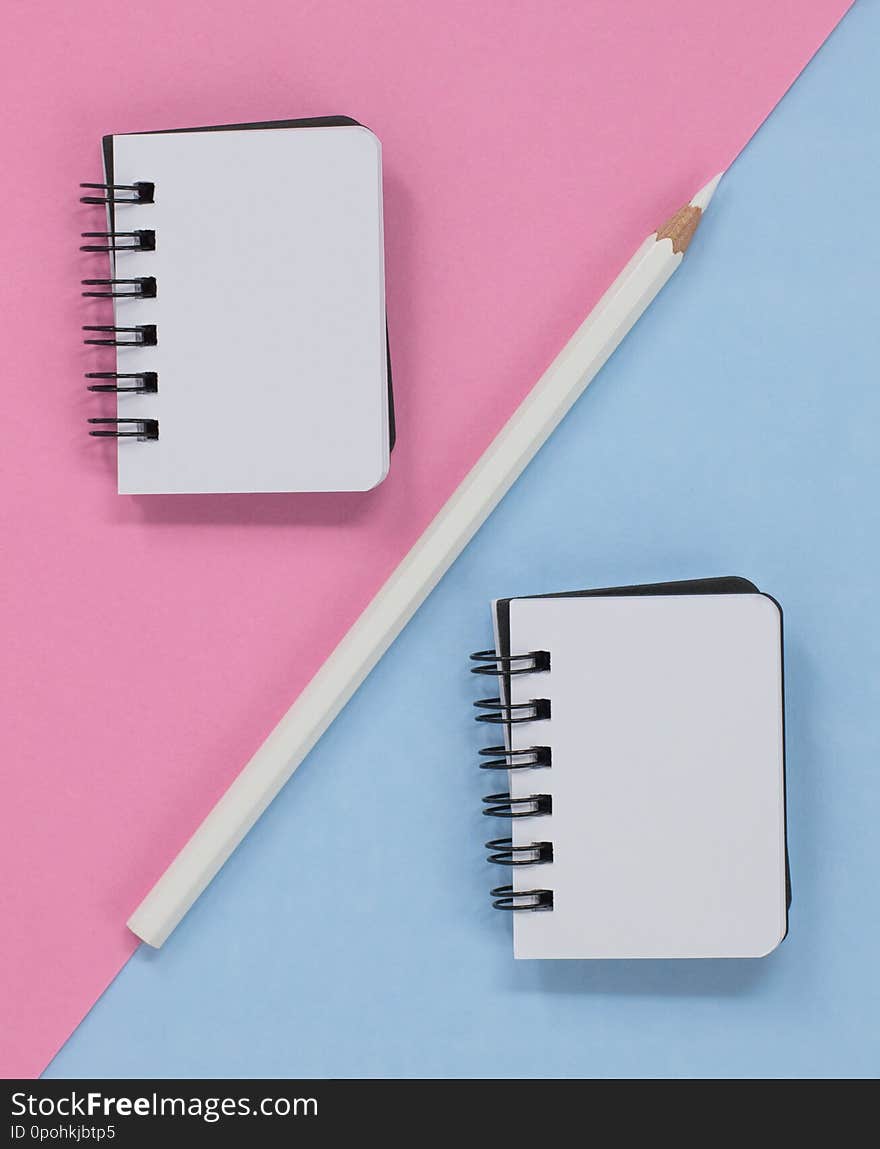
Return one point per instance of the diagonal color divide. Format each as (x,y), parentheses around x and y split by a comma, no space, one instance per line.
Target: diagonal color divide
(151,644)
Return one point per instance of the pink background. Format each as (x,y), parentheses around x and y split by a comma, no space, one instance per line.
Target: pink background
(150,643)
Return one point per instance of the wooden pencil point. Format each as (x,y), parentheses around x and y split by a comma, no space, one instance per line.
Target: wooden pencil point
(680,227)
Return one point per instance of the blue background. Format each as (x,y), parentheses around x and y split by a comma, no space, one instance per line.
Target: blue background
(736,432)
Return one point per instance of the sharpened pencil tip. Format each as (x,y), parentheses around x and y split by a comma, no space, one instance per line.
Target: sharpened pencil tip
(704,195)
(680,228)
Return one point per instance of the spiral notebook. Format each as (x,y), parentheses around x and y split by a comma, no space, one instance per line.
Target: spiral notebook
(247,278)
(644,748)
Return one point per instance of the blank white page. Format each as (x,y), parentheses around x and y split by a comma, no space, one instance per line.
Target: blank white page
(667,782)
(270,311)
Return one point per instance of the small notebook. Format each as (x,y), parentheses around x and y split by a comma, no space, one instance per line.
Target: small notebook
(644,755)
(247,276)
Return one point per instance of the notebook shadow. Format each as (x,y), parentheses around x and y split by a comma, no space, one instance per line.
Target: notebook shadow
(283,510)
(728,977)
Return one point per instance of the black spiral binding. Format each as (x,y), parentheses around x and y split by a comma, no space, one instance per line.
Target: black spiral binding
(501,713)
(500,758)
(140,287)
(141,192)
(142,336)
(506,898)
(505,805)
(147,381)
(506,854)
(495,664)
(497,711)
(144,240)
(142,429)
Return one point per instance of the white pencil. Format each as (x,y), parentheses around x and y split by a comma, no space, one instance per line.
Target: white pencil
(417,574)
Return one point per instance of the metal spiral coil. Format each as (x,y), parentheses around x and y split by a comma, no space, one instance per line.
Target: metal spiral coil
(506,898)
(141,192)
(144,287)
(506,805)
(143,240)
(504,853)
(147,382)
(144,429)
(528,758)
(501,713)
(495,664)
(143,335)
